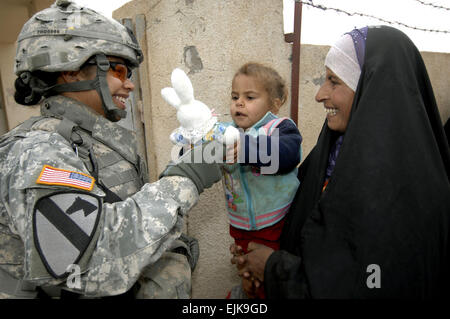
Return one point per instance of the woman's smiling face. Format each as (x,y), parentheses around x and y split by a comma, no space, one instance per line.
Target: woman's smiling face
(337,99)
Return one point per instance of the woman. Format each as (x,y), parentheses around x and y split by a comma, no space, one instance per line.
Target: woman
(77,214)
(371,217)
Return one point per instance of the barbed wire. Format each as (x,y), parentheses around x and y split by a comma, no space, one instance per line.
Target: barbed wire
(433,5)
(319,6)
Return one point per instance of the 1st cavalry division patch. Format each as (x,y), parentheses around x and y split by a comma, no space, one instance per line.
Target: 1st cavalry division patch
(64,225)
(56,176)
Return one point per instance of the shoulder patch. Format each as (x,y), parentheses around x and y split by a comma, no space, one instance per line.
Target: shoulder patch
(56,176)
(63,227)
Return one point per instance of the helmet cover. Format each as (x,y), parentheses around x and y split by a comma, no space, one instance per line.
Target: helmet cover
(64,36)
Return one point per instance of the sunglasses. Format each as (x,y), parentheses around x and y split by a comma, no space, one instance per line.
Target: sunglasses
(118,70)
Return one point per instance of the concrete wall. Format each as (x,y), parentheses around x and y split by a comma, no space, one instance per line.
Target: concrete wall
(13,14)
(15,113)
(438,67)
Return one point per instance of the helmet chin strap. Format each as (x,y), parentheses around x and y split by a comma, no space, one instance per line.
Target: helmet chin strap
(100,84)
(112,112)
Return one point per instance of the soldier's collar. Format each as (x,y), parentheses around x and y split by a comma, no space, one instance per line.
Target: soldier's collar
(103,130)
(64,107)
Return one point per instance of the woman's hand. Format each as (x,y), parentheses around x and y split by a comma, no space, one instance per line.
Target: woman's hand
(256,260)
(250,285)
(251,265)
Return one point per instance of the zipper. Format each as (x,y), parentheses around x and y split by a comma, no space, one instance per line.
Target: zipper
(248,198)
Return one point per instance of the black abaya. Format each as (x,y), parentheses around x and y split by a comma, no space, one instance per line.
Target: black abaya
(387,204)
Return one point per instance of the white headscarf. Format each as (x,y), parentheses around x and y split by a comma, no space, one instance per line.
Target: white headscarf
(342,60)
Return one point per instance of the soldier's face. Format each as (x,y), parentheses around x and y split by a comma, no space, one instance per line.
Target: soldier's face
(119,86)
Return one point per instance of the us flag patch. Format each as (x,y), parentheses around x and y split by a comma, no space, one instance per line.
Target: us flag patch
(56,176)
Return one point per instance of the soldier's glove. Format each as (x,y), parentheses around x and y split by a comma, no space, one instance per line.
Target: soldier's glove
(201,165)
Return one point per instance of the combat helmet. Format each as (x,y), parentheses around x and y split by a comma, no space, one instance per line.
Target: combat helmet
(66,36)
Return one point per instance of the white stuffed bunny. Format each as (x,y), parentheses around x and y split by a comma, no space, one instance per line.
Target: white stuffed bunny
(197,123)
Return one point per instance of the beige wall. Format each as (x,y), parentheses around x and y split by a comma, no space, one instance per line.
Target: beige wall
(15,113)
(438,67)
(225,34)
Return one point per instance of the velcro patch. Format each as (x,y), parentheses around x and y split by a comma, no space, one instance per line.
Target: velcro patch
(63,226)
(56,176)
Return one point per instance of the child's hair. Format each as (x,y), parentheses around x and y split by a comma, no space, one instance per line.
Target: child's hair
(270,79)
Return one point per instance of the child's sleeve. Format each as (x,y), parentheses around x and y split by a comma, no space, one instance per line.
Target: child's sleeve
(287,143)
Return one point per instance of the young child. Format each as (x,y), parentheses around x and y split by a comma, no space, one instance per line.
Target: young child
(257,202)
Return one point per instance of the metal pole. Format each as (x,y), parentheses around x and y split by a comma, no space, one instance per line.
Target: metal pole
(296,61)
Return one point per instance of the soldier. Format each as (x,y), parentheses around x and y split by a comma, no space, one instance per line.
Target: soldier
(77,214)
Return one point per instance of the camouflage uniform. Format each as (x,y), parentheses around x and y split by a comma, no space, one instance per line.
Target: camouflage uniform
(129,234)
(134,232)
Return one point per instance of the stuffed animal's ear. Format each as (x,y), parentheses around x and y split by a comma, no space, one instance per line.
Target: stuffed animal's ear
(183,86)
(171,97)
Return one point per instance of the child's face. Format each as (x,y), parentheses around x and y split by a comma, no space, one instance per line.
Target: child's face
(249,101)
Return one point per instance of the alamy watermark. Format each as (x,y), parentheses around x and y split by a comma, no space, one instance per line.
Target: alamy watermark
(263,149)
(374,279)
(74,279)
